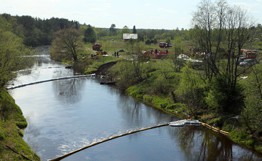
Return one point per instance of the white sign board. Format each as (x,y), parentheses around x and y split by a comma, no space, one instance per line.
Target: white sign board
(127,36)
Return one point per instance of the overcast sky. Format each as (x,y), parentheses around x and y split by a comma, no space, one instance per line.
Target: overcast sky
(147,14)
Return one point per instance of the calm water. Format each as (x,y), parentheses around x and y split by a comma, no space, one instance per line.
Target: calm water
(68,114)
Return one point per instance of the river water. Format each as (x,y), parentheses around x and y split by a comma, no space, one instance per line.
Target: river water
(68,114)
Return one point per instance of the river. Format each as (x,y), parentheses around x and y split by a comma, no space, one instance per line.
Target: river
(68,114)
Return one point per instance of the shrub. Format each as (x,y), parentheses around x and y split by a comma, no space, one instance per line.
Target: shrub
(191,89)
(240,136)
(223,97)
(251,115)
(2,135)
(21,124)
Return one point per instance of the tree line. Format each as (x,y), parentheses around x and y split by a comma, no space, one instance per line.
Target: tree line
(35,31)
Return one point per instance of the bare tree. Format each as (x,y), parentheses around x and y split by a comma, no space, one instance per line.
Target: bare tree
(220,26)
(222,31)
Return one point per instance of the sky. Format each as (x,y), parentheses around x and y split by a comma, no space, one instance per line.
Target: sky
(146,14)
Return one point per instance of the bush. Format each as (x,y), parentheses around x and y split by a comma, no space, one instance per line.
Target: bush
(2,135)
(175,106)
(191,90)
(128,73)
(223,97)
(161,85)
(21,124)
(240,136)
(148,99)
(251,115)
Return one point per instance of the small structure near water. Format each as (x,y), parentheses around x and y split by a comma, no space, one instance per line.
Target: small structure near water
(181,123)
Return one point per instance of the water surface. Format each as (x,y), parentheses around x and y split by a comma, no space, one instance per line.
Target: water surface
(68,114)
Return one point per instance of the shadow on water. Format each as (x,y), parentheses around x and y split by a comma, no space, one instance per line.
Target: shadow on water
(198,144)
(136,113)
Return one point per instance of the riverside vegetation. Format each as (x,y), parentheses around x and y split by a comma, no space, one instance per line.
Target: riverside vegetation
(217,91)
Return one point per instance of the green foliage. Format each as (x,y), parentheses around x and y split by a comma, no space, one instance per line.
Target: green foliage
(251,115)
(8,108)
(125,30)
(157,101)
(191,89)
(90,35)
(217,121)
(21,124)
(67,45)
(161,102)
(10,135)
(11,52)
(34,31)
(134,30)
(150,41)
(2,134)
(240,136)
(224,98)
(137,91)
(97,62)
(161,85)
(112,29)
(223,43)
(125,73)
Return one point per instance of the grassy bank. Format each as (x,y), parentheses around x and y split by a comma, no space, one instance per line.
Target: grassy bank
(159,84)
(164,103)
(12,145)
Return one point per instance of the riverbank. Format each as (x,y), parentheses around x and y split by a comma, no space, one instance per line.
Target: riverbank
(166,104)
(12,123)
(157,90)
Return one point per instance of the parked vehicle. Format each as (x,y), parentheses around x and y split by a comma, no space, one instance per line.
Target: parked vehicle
(97,47)
(155,54)
(247,62)
(249,54)
(164,45)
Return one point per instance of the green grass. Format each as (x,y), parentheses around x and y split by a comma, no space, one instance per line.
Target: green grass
(241,137)
(12,145)
(98,61)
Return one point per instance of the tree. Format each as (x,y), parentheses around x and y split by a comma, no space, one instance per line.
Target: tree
(90,35)
(134,30)
(67,44)
(125,30)
(221,31)
(11,51)
(112,29)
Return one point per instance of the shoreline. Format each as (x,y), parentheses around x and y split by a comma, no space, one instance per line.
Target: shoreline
(12,143)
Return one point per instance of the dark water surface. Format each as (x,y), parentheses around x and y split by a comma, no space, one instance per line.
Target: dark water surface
(69,114)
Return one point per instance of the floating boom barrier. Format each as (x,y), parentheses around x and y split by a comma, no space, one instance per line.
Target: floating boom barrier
(177,123)
(49,80)
(108,139)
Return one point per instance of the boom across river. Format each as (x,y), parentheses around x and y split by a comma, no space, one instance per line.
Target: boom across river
(44,81)
(178,123)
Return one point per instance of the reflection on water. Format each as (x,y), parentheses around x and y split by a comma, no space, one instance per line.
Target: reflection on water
(135,113)
(43,68)
(69,114)
(68,91)
(201,144)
